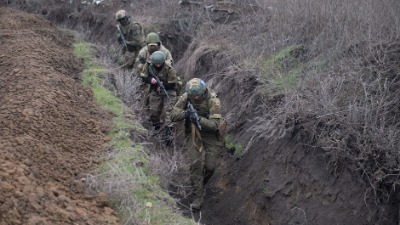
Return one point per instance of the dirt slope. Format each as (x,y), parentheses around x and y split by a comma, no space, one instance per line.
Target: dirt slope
(50,129)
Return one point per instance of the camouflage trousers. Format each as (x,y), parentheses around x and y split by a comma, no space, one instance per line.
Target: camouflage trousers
(158,106)
(127,59)
(203,163)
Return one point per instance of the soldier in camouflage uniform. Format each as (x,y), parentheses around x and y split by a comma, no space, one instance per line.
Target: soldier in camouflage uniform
(153,44)
(133,34)
(203,145)
(159,102)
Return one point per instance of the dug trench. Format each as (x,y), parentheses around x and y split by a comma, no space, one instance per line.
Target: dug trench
(52,132)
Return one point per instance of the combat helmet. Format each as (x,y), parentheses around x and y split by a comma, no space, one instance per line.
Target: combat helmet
(195,87)
(158,57)
(122,17)
(152,38)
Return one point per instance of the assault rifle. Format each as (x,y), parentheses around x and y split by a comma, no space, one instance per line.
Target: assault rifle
(122,38)
(159,83)
(193,115)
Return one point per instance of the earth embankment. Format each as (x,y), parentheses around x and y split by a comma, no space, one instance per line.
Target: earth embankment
(50,127)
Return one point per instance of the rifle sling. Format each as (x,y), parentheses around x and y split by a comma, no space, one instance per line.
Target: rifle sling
(196,134)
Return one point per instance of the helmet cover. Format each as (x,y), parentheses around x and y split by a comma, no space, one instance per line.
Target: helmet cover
(158,57)
(195,87)
(121,14)
(152,38)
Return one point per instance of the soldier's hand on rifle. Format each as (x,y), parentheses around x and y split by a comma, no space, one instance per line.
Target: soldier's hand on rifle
(153,81)
(191,116)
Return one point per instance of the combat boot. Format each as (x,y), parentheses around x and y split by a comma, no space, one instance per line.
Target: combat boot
(196,204)
(168,135)
(156,129)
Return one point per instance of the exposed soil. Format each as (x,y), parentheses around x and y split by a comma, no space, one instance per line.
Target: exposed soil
(50,133)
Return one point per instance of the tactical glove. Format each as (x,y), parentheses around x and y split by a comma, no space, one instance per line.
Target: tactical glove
(191,117)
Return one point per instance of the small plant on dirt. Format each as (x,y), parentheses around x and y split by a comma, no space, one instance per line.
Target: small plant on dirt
(268,192)
(235,148)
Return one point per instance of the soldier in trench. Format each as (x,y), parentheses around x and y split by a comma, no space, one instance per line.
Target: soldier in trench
(205,127)
(153,44)
(161,78)
(131,38)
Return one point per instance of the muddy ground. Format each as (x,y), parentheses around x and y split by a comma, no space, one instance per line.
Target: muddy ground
(52,133)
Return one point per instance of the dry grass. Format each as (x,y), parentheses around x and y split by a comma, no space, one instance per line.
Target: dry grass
(345,99)
(349,106)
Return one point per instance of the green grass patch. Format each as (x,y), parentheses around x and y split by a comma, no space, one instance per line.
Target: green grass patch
(279,56)
(281,69)
(235,148)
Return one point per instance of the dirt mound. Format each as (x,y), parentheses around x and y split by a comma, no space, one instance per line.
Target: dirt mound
(51,132)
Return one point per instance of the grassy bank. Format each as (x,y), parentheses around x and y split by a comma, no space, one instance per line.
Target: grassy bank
(125,175)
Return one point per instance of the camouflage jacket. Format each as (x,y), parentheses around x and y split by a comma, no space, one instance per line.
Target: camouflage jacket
(209,109)
(167,76)
(144,57)
(134,35)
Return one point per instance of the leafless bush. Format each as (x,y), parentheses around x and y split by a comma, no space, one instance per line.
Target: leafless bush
(352,117)
(350,109)
(172,169)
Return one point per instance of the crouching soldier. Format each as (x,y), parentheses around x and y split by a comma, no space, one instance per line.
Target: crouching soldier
(201,109)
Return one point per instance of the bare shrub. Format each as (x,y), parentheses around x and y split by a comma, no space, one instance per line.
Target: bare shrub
(349,109)
(352,119)
(346,101)
(197,60)
(172,170)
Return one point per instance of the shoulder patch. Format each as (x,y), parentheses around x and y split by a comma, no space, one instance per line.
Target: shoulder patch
(216,104)
(214,95)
